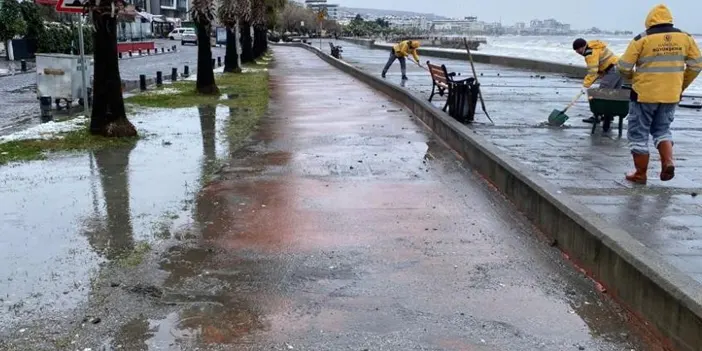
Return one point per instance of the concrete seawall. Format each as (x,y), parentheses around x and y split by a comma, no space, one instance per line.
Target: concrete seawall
(516,62)
(635,275)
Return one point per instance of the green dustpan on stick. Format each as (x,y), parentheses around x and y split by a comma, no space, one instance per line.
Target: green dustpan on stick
(558,117)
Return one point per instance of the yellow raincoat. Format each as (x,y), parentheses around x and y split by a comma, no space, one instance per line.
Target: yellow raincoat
(667,60)
(598,57)
(406,47)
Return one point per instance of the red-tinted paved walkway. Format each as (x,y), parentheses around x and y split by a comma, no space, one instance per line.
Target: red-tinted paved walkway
(346,226)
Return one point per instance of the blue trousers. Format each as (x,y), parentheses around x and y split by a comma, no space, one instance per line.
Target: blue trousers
(649,118)
(391,60)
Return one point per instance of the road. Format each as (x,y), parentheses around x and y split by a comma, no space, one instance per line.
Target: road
(19,107)
(664,216)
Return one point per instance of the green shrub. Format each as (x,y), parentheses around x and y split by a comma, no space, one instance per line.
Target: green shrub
(11,21)
(63,38)
(32,17)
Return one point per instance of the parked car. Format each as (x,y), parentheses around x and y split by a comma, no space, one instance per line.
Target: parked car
(188,36)
(177,34)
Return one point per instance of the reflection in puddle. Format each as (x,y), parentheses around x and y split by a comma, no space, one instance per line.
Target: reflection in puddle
(60,215)
(113,235)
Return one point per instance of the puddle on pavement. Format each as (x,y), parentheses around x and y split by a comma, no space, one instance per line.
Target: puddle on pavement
(61,217)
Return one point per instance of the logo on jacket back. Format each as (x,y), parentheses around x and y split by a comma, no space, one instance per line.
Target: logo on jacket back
(668,37)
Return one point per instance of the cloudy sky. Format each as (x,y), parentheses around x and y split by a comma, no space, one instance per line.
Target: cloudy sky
(606,14)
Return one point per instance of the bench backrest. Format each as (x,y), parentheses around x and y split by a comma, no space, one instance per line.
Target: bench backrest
(438,73)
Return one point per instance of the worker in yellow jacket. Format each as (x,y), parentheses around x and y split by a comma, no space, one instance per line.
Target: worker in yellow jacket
(601,63)
(399,52)
(662,62)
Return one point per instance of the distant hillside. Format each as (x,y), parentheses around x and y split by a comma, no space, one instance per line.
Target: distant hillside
(377,12)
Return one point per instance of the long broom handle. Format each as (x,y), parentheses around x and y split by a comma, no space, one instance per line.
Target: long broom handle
(475,76)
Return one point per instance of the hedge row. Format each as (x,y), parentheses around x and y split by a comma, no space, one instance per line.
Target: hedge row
(63,38)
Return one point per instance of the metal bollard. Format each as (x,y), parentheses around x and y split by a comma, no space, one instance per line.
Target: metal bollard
(119,55)
(45,106)
(219,61)
(130,54)
(186,71)
(174,74)
(163,50)
(139,52)
(142,82)
(23,65)
(173,48)
(159,78)
(213,63)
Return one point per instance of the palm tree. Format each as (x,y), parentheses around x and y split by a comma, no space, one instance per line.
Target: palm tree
(258,20)
(108,117)
(244,15)
(226,13)
(203,14)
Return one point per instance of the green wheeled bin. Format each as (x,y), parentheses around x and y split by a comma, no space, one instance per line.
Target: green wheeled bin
(606,104)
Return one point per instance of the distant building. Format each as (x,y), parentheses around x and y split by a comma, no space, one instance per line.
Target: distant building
(547,27)
(413,22)
(318,5)
(467,24)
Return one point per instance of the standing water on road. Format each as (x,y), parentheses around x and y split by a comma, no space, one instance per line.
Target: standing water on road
(61,217)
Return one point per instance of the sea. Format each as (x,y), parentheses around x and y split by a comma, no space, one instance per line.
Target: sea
(559,49)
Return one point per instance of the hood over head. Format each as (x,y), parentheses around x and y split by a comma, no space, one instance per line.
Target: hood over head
(660,14)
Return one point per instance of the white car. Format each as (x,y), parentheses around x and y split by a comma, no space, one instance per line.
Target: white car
(177,34)
(188,36)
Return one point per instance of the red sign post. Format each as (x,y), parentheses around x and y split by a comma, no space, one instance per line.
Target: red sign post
(71,6)
(78,6)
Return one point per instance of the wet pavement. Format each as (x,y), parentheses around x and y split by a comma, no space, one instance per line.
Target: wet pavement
(19,107)
(664,216)
(345,225)
(63,218)
(342,225)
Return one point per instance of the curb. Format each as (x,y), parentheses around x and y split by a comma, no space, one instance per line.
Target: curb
(636,276)
(572,71)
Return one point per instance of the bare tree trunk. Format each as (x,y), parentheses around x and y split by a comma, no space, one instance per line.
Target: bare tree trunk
(108,117)
(259,40)
(231,63)
(205,75)
(246,45)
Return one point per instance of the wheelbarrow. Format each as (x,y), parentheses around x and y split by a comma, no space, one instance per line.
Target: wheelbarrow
(606,104)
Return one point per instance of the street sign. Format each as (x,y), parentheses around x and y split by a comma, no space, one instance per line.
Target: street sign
(71,6)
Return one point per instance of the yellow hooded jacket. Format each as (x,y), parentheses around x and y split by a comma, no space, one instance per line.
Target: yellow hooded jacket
(406,47)
(598,57)
(667,60)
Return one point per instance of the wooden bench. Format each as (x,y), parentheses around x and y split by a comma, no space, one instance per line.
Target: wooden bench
(443,82)
(439,80)
(335,50)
